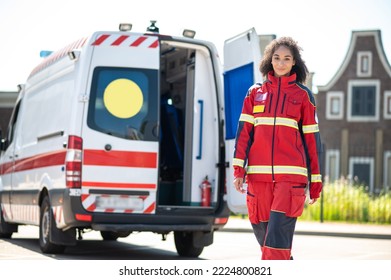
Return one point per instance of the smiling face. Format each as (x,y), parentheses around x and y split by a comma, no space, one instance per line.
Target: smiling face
(282,61)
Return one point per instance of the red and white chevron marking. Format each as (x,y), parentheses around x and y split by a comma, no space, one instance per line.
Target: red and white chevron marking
(58,55)
(59,216)
(126,41)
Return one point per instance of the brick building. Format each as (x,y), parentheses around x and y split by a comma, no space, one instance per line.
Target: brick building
(354,111)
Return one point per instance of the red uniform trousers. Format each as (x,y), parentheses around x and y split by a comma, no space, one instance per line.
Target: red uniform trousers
(273,209)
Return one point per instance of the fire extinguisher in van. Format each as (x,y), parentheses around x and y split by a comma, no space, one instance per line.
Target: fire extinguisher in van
(206,191)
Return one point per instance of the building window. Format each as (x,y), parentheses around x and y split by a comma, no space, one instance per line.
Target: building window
(332,165)
(387,170)
(334,105)
(363,100)
(364,64)
(387,104)
(361,170)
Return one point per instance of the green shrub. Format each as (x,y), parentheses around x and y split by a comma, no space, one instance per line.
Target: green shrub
(341,201)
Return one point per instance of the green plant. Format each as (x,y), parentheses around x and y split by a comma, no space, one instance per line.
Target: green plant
(343,201)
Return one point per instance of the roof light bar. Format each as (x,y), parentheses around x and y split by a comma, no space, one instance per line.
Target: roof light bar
(125,27)
(188,33)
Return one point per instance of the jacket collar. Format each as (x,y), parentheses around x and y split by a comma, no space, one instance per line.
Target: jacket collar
(285,81)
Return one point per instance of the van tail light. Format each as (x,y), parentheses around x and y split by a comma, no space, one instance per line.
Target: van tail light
(73,161)
(220,221)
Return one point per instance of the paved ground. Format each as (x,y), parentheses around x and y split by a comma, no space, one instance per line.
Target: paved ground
(325,228)
(365,253)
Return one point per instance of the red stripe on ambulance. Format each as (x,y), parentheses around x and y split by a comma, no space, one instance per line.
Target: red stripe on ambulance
(100,40)
(120,158)
(38,161)
(138,42)
(150,209)
(120,40)
(91,157)
(154,44)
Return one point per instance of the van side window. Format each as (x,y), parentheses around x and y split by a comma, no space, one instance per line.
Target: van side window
(12,124)
(123,102)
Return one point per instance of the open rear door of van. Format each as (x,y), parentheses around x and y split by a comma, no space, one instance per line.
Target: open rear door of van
(120,128)
(242,55)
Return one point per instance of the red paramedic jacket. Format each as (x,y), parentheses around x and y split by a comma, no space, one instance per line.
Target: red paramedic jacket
(278,136)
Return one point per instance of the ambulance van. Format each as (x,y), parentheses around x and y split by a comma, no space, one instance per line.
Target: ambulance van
(125,132)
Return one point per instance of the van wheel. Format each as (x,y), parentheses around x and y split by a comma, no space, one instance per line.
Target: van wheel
(6,229)
(112,235)
(184,245)
(46,223)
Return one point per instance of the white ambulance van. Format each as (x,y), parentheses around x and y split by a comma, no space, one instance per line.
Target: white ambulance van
(126,132)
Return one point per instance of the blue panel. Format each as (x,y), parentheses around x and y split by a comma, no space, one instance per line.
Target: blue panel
(236,84)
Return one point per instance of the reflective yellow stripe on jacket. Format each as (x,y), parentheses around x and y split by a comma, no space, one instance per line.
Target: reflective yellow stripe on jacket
(238,162)
(246,118)
(278,169)
(316,178)
(276,121)
(313,128)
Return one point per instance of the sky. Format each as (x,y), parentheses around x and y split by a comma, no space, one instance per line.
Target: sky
(322,28)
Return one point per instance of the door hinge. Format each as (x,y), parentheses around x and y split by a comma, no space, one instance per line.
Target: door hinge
(223,164)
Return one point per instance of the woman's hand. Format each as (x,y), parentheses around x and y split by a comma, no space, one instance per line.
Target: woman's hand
(238,183)
(312,200)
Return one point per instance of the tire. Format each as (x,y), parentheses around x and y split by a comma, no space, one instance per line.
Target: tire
(184,245)
(112,235)
(46,223)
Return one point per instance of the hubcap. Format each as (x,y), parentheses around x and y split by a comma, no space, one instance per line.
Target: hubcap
(45,226)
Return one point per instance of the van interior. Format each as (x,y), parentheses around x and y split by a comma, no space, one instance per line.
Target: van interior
(176,125)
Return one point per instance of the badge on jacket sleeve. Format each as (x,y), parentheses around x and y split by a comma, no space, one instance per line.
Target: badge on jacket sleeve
(259,108)
(260,97)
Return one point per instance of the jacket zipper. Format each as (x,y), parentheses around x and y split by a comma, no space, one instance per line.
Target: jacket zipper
(274,125)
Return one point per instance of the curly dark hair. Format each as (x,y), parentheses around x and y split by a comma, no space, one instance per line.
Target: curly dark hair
(299,68)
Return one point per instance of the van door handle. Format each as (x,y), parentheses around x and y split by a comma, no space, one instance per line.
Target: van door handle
(108,147)
(201,102)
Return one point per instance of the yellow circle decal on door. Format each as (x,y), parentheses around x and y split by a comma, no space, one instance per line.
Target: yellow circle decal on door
(123,98)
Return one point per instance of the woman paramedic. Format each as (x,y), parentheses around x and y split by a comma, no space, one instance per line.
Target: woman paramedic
(277,149)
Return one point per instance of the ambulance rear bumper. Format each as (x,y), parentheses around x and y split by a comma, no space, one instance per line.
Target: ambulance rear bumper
(152,227)
(187,219)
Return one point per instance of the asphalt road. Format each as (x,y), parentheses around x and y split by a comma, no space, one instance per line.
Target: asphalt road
(228,245)
(318,255)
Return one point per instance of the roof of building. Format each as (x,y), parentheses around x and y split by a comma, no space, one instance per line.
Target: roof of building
(350,52)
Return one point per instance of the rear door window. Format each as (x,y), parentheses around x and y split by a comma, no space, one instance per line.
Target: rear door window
(123,103)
